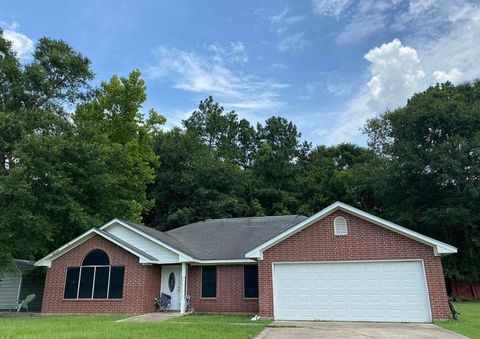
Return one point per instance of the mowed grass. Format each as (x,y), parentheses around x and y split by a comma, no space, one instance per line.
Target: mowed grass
(104,326)
(468,322)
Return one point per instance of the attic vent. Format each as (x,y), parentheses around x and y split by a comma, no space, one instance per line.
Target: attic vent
(340,226)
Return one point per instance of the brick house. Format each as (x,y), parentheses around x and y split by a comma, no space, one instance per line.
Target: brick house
(339,264)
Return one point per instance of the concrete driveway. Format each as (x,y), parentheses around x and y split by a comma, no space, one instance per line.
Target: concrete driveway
(307,329)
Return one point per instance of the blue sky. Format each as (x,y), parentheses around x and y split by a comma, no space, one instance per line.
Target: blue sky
(327,65)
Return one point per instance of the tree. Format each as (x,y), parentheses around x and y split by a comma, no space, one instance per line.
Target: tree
(34,131)
(335,173)
(222,132)
(430,177)
(63,173)
(192,183)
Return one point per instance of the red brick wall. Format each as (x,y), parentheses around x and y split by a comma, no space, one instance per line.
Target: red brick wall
(229,291)
(141,283)
(365,241)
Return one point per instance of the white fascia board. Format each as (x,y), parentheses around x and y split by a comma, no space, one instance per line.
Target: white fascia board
(438,246)
(182,255)
(47,260)
(225,262)
(257,252)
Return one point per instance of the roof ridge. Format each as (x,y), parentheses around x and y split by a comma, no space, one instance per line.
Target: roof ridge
(236,218)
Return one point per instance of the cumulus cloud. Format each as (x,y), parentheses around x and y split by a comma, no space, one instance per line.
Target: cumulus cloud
(21,43)
(209,74)
(395,73)
(447,51)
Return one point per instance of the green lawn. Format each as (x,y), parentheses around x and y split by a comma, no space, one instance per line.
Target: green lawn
(468,322)
(104,326)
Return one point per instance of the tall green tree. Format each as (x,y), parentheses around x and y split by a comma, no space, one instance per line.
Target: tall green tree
(429,178)
(34,132)
(222,132)
(335,173)
(62,172)
(193,183)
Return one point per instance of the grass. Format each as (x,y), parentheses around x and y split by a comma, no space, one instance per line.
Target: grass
(468,322)
(104,326)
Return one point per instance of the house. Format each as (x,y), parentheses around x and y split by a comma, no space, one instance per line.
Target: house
(18,280)
(339,264)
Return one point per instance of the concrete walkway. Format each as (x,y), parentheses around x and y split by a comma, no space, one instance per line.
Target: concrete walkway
(306,329)
(150,317)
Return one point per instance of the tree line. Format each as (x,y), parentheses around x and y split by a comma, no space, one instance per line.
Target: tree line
(73,156)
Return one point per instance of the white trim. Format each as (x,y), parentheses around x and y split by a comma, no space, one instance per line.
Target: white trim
(186,257)
(47,260)
(183,275)
(351,261)
(438,246)
(426,288)
(224,262)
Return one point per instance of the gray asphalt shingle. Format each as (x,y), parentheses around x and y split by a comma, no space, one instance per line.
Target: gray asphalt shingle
(217,239)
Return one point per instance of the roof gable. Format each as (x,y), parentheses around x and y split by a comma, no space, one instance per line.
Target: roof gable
(143,257)
(439,247)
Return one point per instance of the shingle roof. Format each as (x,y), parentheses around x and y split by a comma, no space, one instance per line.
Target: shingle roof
(230,238)
(162,236)
(218,239)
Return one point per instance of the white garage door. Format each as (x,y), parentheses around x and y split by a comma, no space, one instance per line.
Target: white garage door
(351,291)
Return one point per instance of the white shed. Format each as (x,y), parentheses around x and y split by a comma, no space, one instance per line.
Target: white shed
(17,281)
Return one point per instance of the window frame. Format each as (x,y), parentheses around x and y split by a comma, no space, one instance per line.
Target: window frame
(244,290)
(335,226)
(202,282)
(92,294)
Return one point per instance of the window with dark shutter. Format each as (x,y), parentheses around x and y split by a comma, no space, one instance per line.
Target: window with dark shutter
(209,281)
(250,281)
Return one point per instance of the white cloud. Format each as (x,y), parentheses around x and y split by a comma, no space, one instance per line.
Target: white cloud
(330,7)
(209,74)
(21,43)
(395,73)
(294,42)
(447,49)
(282,21)
(338,88)
(453,75)
(281,24)
(235,52)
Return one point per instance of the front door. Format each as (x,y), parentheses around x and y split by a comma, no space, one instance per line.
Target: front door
(171,279)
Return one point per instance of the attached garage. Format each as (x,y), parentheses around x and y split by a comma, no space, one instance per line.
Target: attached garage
(343,264)
(393,291)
